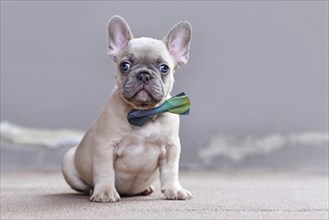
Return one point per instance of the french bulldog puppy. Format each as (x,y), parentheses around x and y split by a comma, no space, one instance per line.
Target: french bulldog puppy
(115,158)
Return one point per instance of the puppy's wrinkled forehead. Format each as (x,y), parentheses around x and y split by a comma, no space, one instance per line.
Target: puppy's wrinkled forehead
(147,50)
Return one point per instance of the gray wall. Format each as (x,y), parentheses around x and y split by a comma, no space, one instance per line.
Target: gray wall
(255,67)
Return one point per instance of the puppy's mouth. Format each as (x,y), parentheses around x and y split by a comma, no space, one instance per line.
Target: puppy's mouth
(143,100)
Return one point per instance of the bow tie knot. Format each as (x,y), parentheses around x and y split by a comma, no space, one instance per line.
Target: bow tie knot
(178,104)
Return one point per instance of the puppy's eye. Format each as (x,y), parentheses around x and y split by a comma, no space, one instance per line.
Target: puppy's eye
(125,66)
(164,68)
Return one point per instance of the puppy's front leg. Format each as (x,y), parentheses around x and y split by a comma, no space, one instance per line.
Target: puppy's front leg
(103,175)
(169,166)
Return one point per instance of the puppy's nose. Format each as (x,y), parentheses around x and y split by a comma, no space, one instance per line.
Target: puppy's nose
(144,77)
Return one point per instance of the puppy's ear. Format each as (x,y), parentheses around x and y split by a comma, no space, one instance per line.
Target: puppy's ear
(178,42)
(119,36)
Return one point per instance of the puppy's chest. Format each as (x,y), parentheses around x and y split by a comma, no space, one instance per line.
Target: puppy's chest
(144,145)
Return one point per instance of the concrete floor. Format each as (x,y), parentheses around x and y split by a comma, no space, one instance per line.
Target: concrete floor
(35,195)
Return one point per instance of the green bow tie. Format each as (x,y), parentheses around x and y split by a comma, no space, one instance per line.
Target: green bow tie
(179,104)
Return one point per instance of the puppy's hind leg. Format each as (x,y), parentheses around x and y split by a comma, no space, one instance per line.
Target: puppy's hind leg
(147,191)
(71,174)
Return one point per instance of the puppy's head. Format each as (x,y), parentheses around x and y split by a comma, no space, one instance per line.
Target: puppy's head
(145,66)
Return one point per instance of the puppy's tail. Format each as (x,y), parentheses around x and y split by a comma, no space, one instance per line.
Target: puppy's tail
(71,174)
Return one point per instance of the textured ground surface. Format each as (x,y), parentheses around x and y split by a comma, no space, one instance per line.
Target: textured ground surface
(33,195)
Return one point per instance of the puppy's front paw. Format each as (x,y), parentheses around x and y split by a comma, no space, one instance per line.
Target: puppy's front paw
(176,193)
(105,196)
